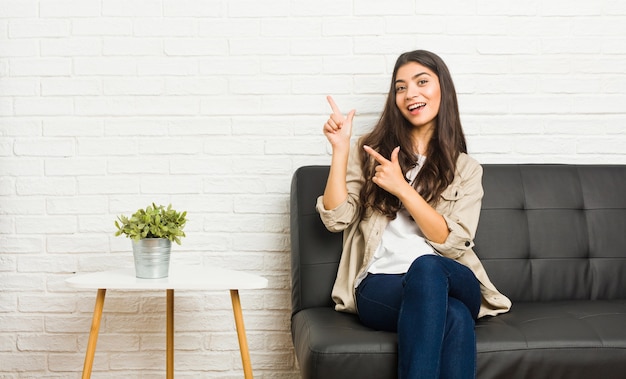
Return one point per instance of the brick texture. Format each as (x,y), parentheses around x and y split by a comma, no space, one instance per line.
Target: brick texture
(108,105)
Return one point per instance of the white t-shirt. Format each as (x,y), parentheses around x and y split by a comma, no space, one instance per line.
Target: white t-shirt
(402,240)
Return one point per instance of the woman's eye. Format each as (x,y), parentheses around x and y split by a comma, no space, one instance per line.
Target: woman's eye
(422,82)
(400,89)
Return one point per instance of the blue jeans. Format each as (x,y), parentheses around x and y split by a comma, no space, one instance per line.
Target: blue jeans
(433,308)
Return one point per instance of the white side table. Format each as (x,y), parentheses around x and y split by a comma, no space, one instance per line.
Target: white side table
(180,278)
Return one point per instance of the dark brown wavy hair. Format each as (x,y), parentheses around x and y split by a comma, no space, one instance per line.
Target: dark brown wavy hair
(393,130)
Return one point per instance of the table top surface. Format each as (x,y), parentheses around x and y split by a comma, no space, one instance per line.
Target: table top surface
(180,277)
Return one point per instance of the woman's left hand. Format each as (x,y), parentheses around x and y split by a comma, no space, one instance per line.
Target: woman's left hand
(388,173)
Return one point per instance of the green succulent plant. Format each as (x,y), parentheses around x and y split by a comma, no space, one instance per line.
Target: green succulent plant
(153,222)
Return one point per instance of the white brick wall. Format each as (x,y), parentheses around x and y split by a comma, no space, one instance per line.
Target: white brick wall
(107,105)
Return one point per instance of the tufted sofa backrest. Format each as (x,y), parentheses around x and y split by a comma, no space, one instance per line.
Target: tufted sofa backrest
(554,232)
(315,251)
(546,232)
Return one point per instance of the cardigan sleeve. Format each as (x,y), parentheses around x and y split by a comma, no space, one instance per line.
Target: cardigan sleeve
(460,207)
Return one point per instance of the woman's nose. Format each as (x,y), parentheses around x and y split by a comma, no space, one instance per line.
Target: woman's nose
(412,91)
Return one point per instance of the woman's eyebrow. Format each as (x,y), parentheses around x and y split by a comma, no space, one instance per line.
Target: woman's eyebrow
(414,77)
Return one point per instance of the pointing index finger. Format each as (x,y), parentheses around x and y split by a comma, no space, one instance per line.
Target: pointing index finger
(333,105)
(379,158)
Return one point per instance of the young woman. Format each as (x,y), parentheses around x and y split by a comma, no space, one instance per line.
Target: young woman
(407,198)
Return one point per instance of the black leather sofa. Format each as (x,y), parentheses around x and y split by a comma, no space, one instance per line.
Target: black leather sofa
(551,237)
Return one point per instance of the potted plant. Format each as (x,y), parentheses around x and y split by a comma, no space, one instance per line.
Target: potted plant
(152,231)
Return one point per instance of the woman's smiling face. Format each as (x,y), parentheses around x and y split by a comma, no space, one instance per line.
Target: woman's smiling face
(418,94)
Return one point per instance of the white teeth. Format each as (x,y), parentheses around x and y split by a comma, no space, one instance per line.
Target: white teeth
(416,105)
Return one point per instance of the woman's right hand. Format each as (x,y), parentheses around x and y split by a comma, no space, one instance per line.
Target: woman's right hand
(338,128)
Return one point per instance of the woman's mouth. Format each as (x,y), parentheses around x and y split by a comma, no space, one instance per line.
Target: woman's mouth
(416,107)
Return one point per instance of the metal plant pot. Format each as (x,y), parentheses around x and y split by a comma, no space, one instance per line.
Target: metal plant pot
(152,257)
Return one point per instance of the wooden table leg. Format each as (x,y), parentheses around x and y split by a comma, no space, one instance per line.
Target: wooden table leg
(93,334)
(241,334)
(170,334)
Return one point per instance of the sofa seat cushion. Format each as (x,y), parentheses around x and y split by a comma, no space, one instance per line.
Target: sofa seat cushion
(535,340)
(561,339)
(330,343)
